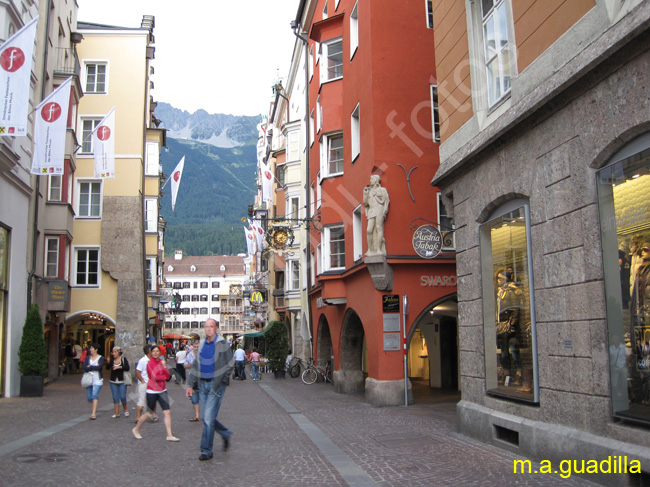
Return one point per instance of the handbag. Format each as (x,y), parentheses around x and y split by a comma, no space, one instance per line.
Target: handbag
(126,378)
(87,379)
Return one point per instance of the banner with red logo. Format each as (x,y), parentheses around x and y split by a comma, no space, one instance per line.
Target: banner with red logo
(50,122)
(176,180)
(104,147)
(257,229)
(15,71)
(250,241)
(267,183)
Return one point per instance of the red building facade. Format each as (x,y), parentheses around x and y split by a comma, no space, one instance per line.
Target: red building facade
(372,98)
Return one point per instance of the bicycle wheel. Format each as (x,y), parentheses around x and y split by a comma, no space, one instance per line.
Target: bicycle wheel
(294,371)
(309,376)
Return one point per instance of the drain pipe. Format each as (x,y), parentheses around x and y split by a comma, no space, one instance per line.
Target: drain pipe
(295,25)
(32,272)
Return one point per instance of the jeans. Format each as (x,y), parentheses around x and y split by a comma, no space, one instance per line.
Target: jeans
(119,393)
(92,392)
(241,371)
(255,370)
(210,404)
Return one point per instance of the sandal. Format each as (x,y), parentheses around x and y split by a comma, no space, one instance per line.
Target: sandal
(155,420)
(114,416)
(126,414)
(93,417)
(194,420)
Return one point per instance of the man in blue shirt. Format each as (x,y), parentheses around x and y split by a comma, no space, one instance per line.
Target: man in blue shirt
(211,368)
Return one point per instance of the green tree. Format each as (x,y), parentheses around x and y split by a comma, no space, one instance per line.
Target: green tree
(32,354)
(277,345)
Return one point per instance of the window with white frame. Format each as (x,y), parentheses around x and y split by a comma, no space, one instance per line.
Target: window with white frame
(497,49)
(293,271)
(310,66)
(429,7)
(319,259)
(446,225)
(435,114)
(52,257)
(332,69)
(334,248)
(86,270)
(354,30)
(313,267)
(357,233)
(318,191)
(294,208)
(151,274)
(312,201)
(336,4)
(311,128)
(331,155)
(96,80)
(87,127)
(293,143)
(151,214)
(55,187)
(153,159)
(325,15)
(319,115)
(90,199)
(355,132)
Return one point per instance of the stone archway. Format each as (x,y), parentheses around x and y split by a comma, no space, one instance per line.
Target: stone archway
(324,347)
(433,349)
(349,378)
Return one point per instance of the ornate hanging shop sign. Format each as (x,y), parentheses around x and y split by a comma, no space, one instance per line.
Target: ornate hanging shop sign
(427,241)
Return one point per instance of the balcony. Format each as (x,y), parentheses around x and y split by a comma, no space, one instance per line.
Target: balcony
(67,61)
(231,309)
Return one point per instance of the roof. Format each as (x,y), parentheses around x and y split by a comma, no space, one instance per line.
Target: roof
(93,26)
(205,266)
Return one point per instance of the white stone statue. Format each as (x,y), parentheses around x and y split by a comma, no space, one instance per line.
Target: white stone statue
(375,199)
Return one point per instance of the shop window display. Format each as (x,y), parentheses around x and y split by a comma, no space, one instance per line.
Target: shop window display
(510,347)
(623,186)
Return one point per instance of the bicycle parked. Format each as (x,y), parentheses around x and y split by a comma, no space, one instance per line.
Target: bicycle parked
(312,372)
(294,370)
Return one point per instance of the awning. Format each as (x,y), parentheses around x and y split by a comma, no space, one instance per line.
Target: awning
(253,334)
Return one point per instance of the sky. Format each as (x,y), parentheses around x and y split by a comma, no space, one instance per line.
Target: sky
(222,56)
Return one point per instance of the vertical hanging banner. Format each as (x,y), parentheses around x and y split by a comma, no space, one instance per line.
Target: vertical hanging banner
(250,241)
(15,72)
(257,229)
(104,147)
(50,121)
(176,180)
(267,183)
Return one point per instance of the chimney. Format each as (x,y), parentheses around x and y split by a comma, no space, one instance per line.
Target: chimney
(178,255)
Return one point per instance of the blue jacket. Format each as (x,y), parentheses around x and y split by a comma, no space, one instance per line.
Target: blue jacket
(223,364)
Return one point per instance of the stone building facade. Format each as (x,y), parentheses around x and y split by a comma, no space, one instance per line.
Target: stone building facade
(548,187)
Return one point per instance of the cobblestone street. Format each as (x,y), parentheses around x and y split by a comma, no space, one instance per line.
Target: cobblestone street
(285,434)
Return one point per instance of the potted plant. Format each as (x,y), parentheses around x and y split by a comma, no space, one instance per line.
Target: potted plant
(32,355)
(277,347)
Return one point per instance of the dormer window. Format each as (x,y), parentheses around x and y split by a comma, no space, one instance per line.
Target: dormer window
(193,268)
(170,269)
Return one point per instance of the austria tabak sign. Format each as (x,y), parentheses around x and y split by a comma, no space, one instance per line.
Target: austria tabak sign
(427,241)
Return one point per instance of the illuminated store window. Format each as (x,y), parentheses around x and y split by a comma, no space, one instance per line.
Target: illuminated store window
(508,317)
(623,187)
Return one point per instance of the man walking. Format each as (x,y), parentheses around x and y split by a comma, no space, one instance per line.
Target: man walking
(211,368)
(240,363)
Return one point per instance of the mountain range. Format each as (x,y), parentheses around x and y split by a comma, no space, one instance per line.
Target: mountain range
(218,181)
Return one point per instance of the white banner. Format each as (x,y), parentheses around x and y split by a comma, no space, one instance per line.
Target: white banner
(104,147)
(50,122)
(15,72)
(259,233)
(176,180)
(267,183)
(250,241)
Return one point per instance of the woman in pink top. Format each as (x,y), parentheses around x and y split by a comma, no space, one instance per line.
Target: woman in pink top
(255,364)
(157,393)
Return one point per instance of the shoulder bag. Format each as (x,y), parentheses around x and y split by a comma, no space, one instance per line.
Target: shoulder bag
(87,379)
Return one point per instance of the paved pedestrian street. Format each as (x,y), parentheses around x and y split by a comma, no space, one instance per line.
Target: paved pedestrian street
(286,433)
